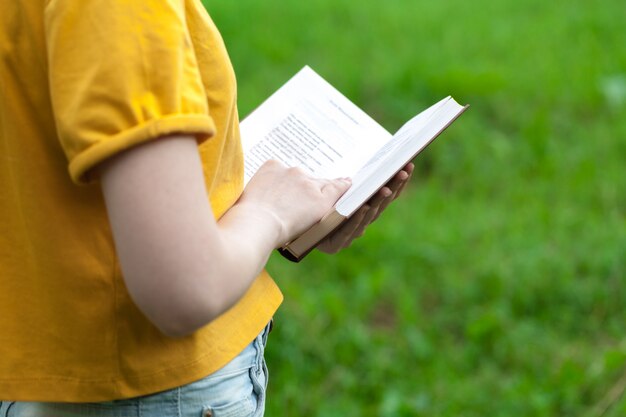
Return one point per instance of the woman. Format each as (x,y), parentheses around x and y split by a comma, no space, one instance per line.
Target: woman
(134,285)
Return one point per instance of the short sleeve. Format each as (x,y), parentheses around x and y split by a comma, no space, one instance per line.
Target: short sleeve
(121,72)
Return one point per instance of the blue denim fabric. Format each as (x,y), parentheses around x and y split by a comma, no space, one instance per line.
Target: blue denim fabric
(236,390)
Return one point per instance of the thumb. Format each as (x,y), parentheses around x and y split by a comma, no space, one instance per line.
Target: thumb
(336,188)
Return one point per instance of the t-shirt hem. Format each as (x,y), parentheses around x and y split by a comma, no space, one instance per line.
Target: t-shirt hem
(67,389)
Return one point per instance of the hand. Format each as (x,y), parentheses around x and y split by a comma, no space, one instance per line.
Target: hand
(292,198)
(355,226)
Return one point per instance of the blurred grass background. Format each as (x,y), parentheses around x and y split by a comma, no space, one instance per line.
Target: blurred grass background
(496,285)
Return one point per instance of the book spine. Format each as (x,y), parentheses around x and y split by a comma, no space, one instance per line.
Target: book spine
(306,242)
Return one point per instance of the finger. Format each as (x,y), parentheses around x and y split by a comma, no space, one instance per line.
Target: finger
(403,185)
(349,234)
(405,178)
(400,181)
(391,196)
(392,185)
(340,238)
(401,188)
(377,203)
(383,205)
(369,217)
(400,178)
(389,192)
(380,195)
(356,225)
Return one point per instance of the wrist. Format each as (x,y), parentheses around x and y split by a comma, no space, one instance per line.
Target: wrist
(265,223)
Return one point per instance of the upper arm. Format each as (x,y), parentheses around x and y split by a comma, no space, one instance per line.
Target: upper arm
(162,224)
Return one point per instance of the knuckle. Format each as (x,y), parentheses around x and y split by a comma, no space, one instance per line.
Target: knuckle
(270,163)
(296,172)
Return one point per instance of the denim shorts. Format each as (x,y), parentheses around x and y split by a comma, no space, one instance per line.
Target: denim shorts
(236,390)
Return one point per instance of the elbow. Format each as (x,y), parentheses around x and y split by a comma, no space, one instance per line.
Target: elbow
(175,331)
(186,317)
(177,313)
(182,323)
(179,304)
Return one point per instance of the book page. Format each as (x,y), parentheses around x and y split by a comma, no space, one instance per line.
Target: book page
(411,139)
(406,133)
(309,124)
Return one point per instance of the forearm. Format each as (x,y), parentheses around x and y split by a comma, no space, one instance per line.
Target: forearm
(203,275)
(248,237)
(242,245)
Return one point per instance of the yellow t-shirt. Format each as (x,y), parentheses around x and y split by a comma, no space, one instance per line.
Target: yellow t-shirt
(81,81)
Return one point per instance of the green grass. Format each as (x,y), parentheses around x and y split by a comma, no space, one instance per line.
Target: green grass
(496,286)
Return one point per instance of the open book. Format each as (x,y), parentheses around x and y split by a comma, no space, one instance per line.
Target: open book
(309,124)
